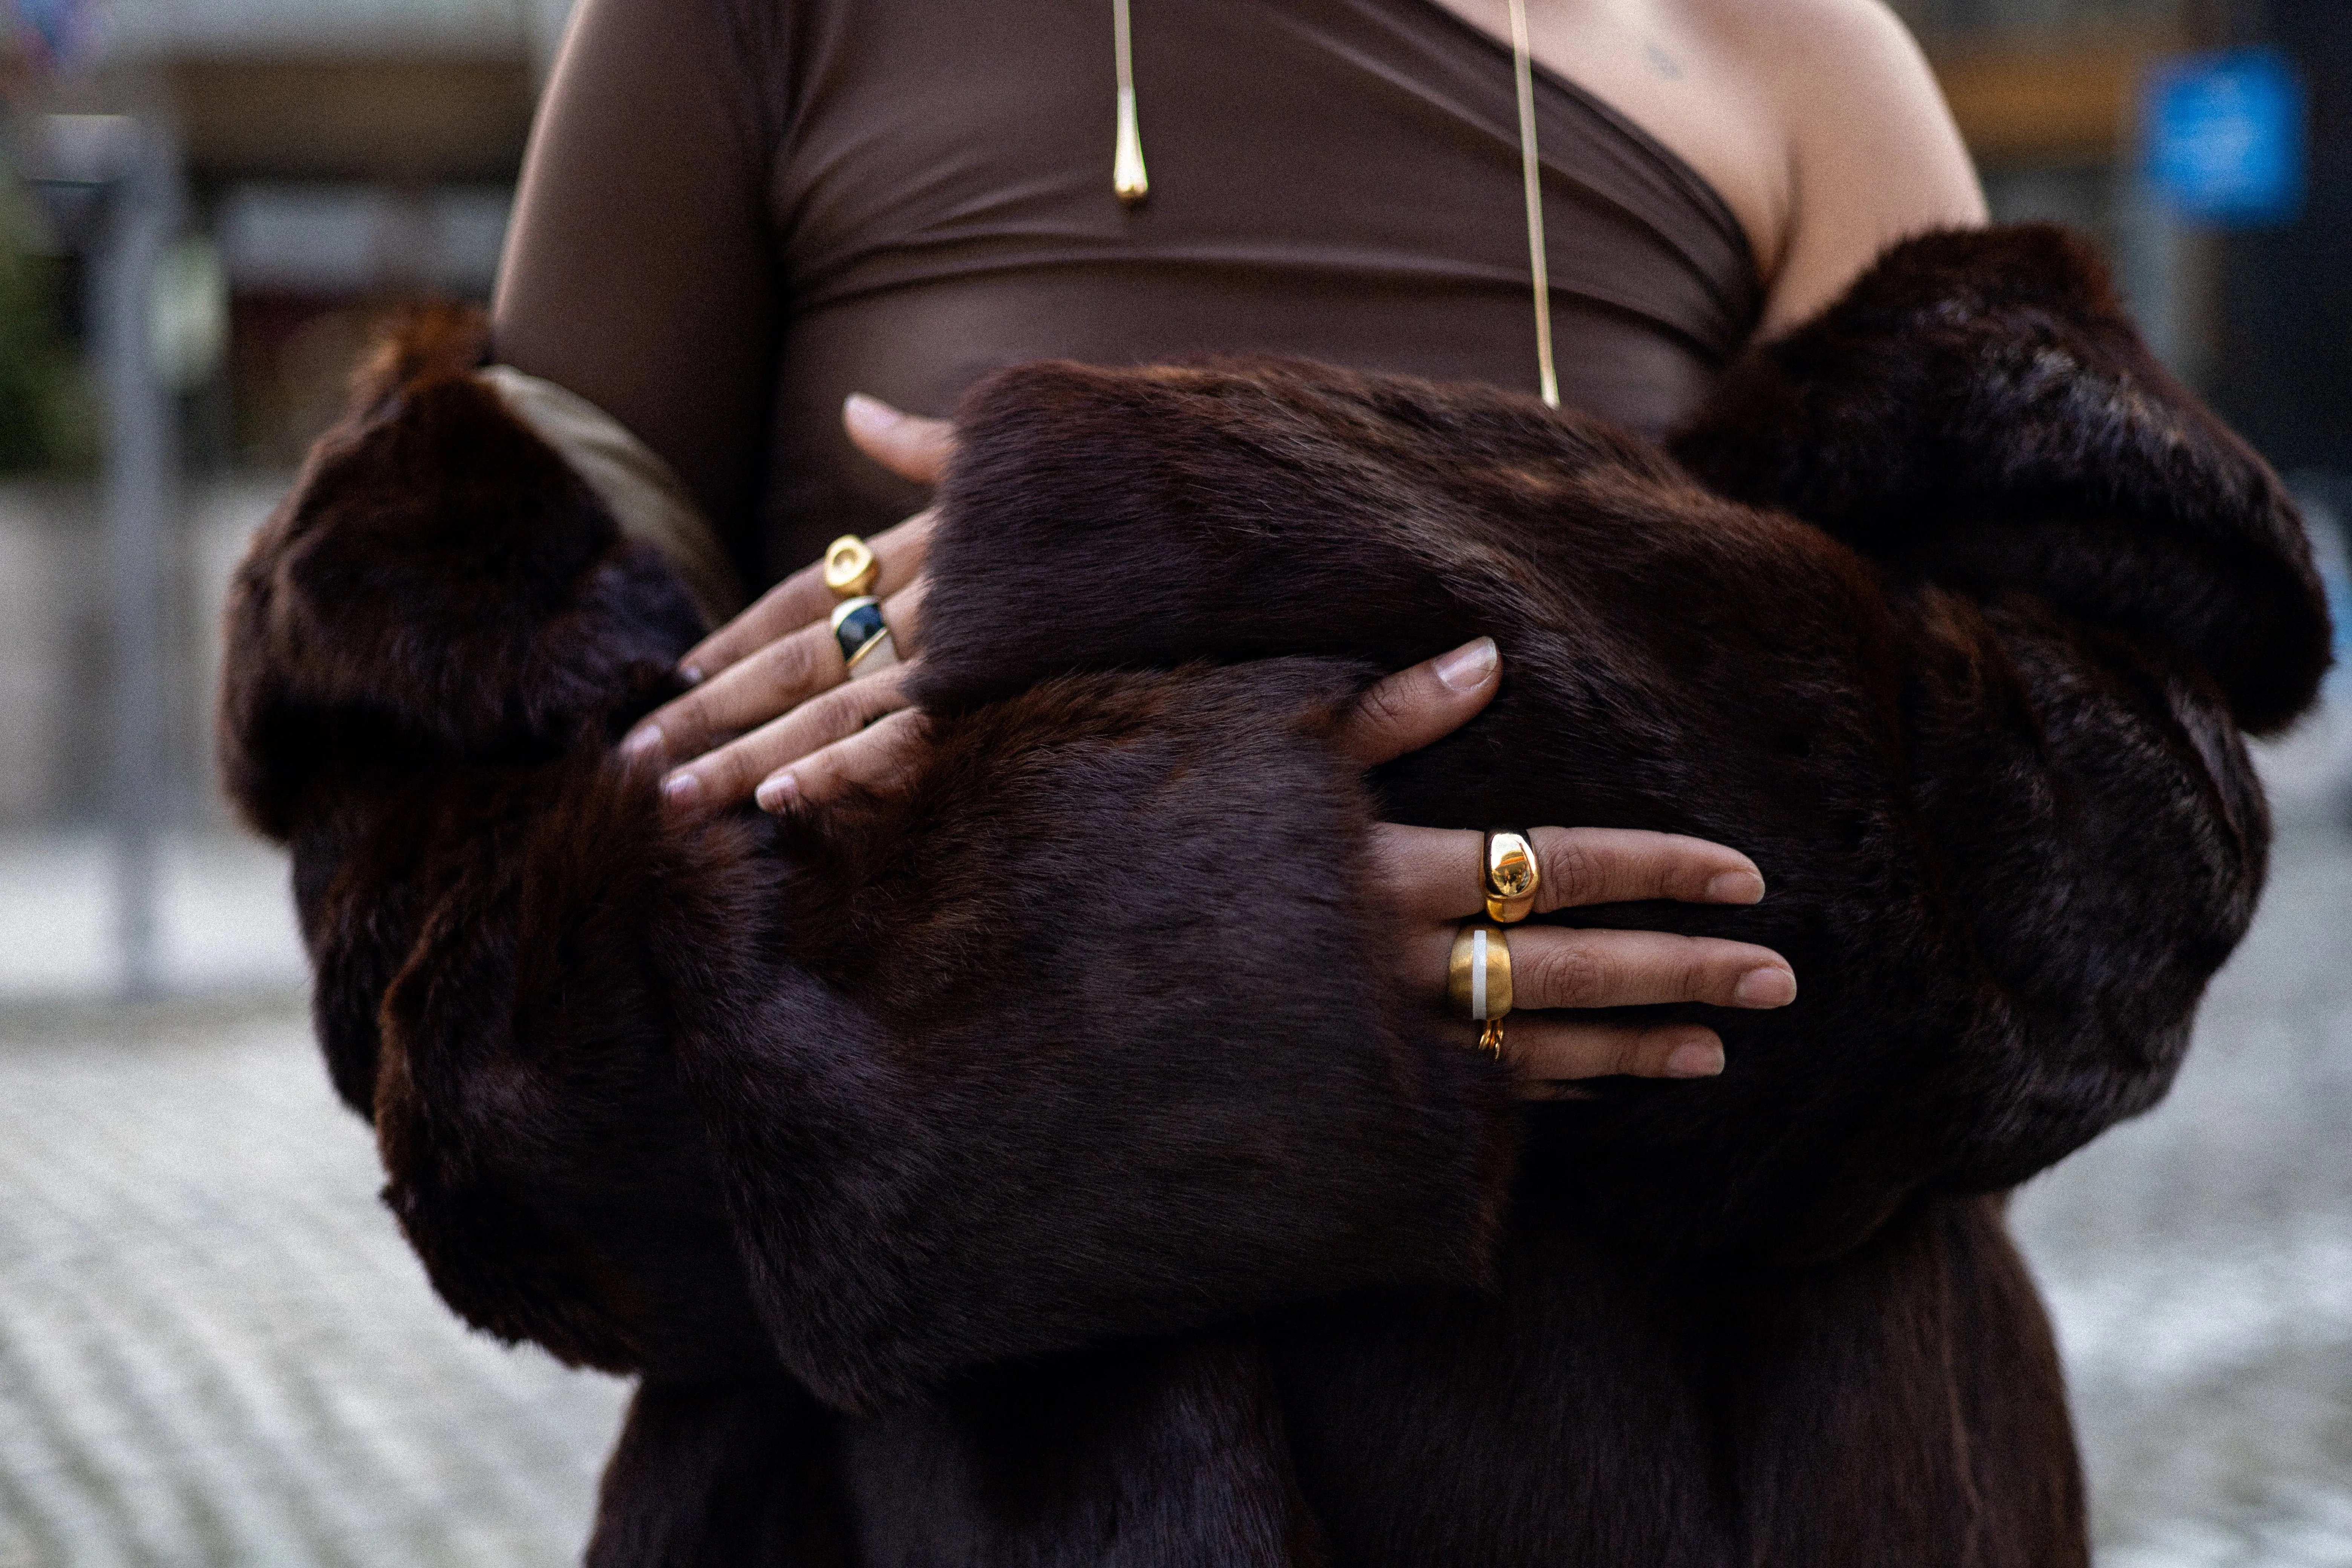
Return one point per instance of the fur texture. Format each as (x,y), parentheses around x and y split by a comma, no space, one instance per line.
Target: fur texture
(1034,1165)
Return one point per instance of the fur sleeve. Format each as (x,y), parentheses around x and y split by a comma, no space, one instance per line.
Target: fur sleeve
(2009,837)
(1079,1036)
(1978,411)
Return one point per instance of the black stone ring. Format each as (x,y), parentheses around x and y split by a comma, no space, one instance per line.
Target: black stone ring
(863,636)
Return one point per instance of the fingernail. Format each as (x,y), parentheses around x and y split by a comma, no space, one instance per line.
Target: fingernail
(690,673)
(778,793)
(1700,1059)
(643,739)
(1765,988)
(681,790)
(1736,888)
(1467,666)
(870,412)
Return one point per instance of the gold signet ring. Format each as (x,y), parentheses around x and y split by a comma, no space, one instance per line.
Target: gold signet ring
(1478,971)
(850,569)
(1511,877)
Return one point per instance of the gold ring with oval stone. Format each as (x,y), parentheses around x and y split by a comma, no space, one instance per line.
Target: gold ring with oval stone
(850,569)
(1510,876)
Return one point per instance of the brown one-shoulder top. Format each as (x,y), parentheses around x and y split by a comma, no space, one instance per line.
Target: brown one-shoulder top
(736,212)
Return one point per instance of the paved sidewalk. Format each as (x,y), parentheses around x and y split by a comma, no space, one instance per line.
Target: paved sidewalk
(225,917)
(215,1348)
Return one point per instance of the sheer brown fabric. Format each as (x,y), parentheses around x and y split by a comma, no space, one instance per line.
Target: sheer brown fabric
(736,212)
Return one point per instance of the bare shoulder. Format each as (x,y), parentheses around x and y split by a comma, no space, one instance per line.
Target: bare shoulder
(1816,58)
(1873,154)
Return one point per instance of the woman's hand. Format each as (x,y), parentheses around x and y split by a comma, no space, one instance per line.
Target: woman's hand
(1431,877)
(773,715)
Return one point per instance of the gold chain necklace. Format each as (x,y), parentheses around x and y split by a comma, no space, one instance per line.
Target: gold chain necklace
(1130,183)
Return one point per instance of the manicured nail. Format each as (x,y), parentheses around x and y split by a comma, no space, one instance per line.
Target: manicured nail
(1765,987)
(779,793)
(643,739)
(1700,1059)
(681,790)
(1467,666)
(1735,888)
(871,412)
(690,673)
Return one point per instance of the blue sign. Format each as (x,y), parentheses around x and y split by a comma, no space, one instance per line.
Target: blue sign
(2222,137)
(56,32)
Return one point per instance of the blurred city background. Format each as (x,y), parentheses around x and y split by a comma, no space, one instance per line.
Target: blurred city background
(214,1348)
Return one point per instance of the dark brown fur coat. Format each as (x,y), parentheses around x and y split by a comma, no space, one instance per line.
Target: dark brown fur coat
(1036,1166)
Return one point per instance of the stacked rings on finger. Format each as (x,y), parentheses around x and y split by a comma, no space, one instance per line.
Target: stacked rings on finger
(850,569)
(1510,876)
(1478,980)
(863,635)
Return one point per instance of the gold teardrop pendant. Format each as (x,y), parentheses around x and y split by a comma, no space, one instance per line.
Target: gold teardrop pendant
(1127,177)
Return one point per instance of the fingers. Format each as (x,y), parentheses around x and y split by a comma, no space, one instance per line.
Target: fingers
(801,600)
(1555,971)
(874,758)
(1616,865)
(730,775)
(908,444)
(1544,1052)
(1552,966)
(1409,709)
(1559,966)
(1434,873)
(775,679)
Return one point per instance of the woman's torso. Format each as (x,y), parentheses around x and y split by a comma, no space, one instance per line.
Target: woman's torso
(1335,179)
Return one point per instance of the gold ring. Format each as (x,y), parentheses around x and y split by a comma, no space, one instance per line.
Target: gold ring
(1490,1038)
(1510,876)
(863,636)
(1478,973)
(850,569)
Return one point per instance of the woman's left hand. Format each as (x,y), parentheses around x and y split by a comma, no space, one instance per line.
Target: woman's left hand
(1430,881)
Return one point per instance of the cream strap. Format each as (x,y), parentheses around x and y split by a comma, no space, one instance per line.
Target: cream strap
(1131,185)
(640,491)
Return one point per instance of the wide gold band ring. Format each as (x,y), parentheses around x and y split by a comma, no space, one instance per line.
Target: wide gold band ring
(1509,875)
(1478,973)
(863,636)
(850,569)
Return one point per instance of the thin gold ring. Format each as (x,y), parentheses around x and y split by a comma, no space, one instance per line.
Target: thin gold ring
(1509,875)
(850,569)
(1490,1038)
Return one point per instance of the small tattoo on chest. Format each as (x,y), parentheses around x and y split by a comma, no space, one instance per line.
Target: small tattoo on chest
(1662,62)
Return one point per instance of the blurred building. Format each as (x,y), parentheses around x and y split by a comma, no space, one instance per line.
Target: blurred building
(329,158)
(335,154)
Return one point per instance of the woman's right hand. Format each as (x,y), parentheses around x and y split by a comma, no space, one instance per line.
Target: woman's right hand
(774,715)
(1431,878)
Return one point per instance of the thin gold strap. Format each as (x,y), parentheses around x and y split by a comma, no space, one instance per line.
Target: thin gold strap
(1531,176)
(1126,176)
